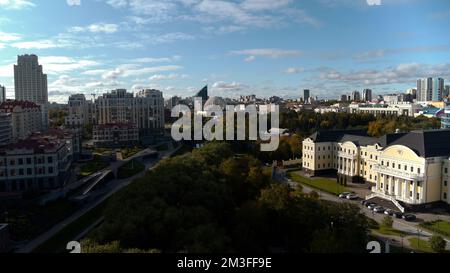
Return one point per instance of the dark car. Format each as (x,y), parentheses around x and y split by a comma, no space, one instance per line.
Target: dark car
(409,217)
(397,214)
(371,206)
(364,202)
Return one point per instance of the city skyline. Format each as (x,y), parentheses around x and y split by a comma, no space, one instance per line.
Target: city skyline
(243,47)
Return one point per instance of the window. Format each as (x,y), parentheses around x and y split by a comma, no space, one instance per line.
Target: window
(445,183)
(418,170)
(50,159)
(445,195)
(446,170)
(412,169)
(29,161)
(20,161)
(406,168)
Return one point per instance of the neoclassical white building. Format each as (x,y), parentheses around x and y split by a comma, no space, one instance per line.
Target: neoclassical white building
(409,169)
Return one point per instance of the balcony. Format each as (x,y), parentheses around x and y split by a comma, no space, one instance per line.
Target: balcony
(399,173)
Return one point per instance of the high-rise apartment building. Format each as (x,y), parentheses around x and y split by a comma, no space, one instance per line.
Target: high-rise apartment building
(31,84)
(25,117)
(306,95)
(437,89)
(356,96)
(145,110)
(430,89)
(81,112)
(2,94)
(367,95)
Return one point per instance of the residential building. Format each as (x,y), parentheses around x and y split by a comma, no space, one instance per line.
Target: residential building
(2,94)
(81,112)
(306,95)
(5,129)
(409,169)
(39,163)
(31,84)
(367,95)
(26,117)
(399,109)
(343,98)
(430,89)
(446,91)
(356,96)
(116,135)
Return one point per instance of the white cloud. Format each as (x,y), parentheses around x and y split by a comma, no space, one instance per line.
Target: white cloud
(131,70)
(63,64)
(40,44)
(227,86)
(374,2)
(16,4)
(96,28)
(294,70)
(74,2)
(252,54)
(8,37)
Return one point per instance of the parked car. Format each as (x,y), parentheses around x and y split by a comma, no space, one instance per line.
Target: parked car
(352,196)
(344,195)
(379,209)
(364,202)
(409,217)
(371,206)
(397,214)
(389,212)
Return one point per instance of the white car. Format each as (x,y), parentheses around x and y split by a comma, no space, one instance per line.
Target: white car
(344,194)
(352,196)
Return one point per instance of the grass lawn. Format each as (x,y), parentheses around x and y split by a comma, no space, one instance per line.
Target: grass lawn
(420,245)
(58,243)
(92,167)
(129,152)
(323,184)
(389,231)
(130,169)
(441,227)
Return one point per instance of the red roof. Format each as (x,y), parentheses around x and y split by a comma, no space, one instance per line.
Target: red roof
(11,104)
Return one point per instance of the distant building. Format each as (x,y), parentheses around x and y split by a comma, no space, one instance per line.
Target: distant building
(400,109)
(2,94)
(343,98)
(26,117)
(446,91)
(40,162)
(392,98)
(116,135)
(412,92)
(356,96)
(31,84)
(203,94)
(430,89)
(5,129)
(367,95)
(145,110)
(306,95)
(81,112)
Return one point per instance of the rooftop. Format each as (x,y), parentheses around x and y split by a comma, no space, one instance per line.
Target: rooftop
(426,143)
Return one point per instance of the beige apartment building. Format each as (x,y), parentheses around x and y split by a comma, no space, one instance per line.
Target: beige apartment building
(409,169)
(26,117)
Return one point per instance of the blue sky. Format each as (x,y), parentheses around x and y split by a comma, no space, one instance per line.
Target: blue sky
(261,47)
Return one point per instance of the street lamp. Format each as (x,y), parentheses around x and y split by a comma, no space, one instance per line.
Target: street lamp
(418,237)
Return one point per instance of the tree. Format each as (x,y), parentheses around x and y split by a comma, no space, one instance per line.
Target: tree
(387,222)
(437,243)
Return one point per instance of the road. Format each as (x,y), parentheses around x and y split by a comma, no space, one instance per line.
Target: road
(112,187)
(411,228)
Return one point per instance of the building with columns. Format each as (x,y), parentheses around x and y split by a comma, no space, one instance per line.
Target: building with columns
(409,169)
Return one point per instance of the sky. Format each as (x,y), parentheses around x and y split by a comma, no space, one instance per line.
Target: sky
(237,47)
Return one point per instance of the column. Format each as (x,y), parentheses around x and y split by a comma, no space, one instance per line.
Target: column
(378,181)
(391,179)
(406,189)
(414,191)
